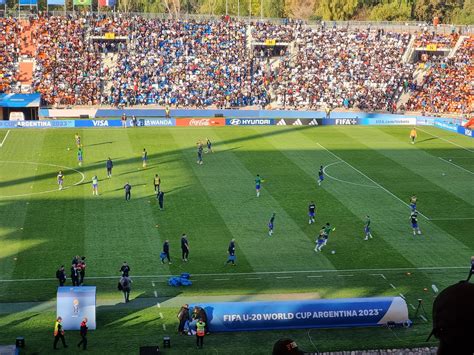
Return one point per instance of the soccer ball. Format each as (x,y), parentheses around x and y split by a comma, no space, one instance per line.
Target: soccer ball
(333,252)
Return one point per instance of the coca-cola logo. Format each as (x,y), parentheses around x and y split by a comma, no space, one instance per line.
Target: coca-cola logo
(201,122)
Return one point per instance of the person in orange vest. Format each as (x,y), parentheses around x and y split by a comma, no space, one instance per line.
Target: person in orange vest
(413,135)
(200,332)
(58,333)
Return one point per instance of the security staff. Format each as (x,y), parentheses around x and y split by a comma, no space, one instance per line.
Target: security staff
(61,275)
(58,333)
(200,332)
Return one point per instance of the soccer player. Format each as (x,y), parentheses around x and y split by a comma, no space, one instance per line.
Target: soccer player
(327,229)
(414,223)
(156,183)
(165,254)
(320,175)
(144,158)
(258,182)
(128,191)
(413,203)
(80,156)
(413,135)
(60,180)
(311,212)
(109,165)
(77,138)
(231,251)
(209,145)
(320,241)
(270,225)
(95,186)
(367,228)
(199,153)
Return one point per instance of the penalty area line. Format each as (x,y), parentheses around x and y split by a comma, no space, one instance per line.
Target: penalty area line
(4,138)
(457,166)
(368,178)
(448,141)
(427,268)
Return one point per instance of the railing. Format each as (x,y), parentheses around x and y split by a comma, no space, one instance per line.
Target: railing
(398,26)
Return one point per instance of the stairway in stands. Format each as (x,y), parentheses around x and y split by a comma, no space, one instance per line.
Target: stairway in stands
(26,62)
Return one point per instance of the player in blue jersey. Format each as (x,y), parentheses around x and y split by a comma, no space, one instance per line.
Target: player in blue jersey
(271,225)
(60,179)
(320,175)
(367,228)
(311,212)
(414,223)
(413,200)
(80,156)
(144,158)
(320,241)
(199,153)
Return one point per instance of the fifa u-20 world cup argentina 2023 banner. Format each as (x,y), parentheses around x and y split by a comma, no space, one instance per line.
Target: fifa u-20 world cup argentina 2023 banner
(75,303)
(334,313)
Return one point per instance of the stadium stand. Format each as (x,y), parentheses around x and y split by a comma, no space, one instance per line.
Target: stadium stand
(222,63)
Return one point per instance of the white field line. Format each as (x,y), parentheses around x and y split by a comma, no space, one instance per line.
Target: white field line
(422,317)
(392,286)
(4,138)
(156,293)
(434,135)
(402,295)
(221,279)
(381,275)
(457,166)
(345,275)
(452,219)
(314,276)
(428,268)
(158,305)
(253,278)
(412,306)
(284,277)
(376,183)
(161,315)
(164,326)
(343,181)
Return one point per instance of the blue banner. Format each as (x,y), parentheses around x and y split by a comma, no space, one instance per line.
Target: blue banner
(28,2)
(98,123)
(20,100)
(75,303)
(465,131)
(156,122)
(249,121)
(3,2)
(349,312)
(38,124)
(446,126)
(390,121)
(56,2)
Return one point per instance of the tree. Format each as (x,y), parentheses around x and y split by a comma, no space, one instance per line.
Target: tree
(337,9)
(300,9)
(392,11)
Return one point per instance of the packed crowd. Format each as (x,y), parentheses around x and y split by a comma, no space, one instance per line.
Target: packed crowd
(187,63)
(448,84)
(9,52)
(336,68)
(68,66)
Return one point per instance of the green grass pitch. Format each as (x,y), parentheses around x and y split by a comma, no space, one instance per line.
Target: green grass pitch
(370,171)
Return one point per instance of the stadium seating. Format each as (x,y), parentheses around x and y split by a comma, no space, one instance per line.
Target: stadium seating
(219,63)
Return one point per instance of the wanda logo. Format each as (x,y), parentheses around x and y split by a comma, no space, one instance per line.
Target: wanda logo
(200,122)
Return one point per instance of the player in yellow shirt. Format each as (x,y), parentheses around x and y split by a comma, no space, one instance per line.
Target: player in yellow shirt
(413,135)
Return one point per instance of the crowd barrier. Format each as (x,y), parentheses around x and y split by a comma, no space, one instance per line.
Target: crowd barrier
(327,313)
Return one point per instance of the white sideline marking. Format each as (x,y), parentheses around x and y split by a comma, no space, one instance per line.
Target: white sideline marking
(381,275)
(156,293)
(427,268)
(452,219)
(158,305)
(422,317)
(456,165)
(313,276)
(402,295)
(345,275)
(376,183)
(392,286)
(161,315)
(344,181)
(412,306)
(4,138)
(284,277)
(253,278)
(434,135)
(221,279)
(153,283)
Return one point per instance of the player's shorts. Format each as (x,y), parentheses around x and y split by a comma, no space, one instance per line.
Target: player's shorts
(79,158)
(311,214)
(321,177)
(257,187)
(320,241)
(270,225)
(414,225)
(208,146)
(94,185)
(367,229)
